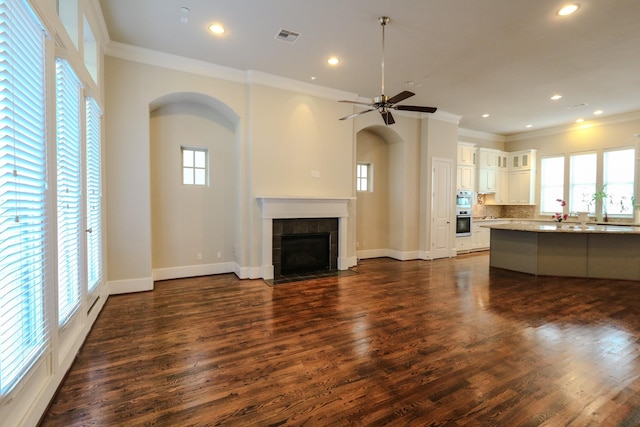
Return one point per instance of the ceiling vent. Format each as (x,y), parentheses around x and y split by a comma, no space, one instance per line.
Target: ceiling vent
(287,36)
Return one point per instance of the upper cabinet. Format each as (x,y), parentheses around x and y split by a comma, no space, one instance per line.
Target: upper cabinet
(522,177)
(466,166)
(489,158)
(522,160)
(466,154)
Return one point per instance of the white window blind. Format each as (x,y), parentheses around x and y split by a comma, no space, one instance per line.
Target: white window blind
(68,190)
(23,192)
(94,194)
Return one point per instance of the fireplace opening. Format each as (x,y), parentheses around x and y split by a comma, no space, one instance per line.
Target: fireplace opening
(305,253)
(312,246)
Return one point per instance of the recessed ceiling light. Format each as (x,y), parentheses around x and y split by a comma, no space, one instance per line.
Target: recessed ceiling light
(580,120)
(568,9)
(313,77)
(333,61)
(216,29)
(598,112)
(556,97)
(485,115)
(529,126)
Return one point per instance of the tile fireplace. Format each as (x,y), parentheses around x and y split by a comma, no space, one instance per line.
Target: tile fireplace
(310,216)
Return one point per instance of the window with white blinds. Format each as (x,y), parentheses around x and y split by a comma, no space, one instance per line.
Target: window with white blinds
(69,201)
(94,194)
(23,193)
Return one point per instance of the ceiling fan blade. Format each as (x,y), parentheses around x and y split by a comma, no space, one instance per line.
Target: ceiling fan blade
(350,116)
(387,117)
(356,102)
(415,108)
(400,97)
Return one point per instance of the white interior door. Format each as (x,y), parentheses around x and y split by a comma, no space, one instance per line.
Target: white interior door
(441,208)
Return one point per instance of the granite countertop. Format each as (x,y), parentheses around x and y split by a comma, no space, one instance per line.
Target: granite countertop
(552,227)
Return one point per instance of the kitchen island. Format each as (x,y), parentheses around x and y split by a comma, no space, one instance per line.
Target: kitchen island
(598,251)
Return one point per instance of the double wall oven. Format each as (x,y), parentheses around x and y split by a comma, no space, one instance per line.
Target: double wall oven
(464,199)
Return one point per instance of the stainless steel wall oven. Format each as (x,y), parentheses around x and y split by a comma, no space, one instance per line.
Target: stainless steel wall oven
(463,222)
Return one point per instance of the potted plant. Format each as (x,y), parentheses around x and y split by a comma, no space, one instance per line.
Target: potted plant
(598,197)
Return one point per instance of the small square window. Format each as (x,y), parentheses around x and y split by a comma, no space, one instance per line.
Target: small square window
(364,178)
(194,166)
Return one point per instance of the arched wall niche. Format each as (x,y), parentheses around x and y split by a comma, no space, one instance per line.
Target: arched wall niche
(211,107)
(376,210)
(194,229)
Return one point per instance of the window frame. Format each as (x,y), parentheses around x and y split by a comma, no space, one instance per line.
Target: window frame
(367,180)
(557,194)
(585,204)
(206,169)
(613,198)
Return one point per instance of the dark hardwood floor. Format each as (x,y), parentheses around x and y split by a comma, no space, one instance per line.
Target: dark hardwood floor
(437,343)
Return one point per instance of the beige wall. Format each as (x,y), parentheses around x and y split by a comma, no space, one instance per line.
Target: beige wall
(281,138)
(596,135)
(372,231)
(132,88)
(190,220)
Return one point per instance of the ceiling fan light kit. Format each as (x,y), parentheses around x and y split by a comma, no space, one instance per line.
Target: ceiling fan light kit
(383,103)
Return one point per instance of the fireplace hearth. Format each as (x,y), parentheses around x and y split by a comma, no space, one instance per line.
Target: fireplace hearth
(304,245)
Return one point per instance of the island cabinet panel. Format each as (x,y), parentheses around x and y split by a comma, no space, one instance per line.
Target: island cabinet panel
(562,254)
(600,251)
(514,250)
(614,256)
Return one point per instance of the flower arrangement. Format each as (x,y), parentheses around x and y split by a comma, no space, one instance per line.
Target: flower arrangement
(559,216)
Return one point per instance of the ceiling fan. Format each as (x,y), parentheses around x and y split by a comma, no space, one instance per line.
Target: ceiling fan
(384,104)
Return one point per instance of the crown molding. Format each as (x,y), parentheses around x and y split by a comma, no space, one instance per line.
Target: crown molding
(485,136)
(173,62)
(278,82)
(619,118)
(442,116)
(207,69)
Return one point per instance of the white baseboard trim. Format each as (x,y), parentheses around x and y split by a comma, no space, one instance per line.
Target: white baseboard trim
(390,253)
(193,270)
(403,255)
(372,253)
(351,261)
(130,285)
(247,272)
(425,255)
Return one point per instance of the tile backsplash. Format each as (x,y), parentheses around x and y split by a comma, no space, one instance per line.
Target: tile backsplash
(504,211)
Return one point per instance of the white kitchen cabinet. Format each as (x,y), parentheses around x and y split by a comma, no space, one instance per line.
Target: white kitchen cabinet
(466,178)
(463,244)
(489,158)
(502,188)
(480,237)
(522,187)
(487,180)
(466,154)
(522,160)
